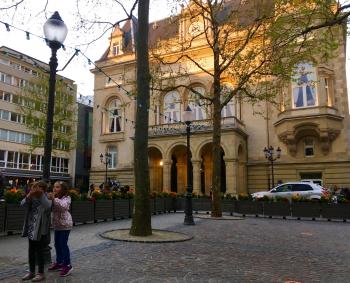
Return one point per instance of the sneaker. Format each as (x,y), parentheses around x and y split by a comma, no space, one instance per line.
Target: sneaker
(39,277)
(55,267)
(28,276)
(66,270)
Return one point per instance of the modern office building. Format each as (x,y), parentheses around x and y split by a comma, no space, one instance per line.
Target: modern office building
(19,161)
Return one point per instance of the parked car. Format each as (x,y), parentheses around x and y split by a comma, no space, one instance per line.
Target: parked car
(287,190)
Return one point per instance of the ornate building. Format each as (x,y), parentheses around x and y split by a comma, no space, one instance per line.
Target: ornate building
(310,124)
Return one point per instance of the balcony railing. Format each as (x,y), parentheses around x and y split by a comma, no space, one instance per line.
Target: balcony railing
(197,126)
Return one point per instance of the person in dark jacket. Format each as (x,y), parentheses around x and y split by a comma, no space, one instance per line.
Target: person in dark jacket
(36,228)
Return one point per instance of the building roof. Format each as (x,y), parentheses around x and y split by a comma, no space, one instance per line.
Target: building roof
(7,51)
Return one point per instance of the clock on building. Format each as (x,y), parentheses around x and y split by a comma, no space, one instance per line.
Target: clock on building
(196,28)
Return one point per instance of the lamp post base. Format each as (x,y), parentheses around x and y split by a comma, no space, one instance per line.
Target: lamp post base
(189,220)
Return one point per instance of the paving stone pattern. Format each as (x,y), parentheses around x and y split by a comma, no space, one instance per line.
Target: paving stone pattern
(250,250)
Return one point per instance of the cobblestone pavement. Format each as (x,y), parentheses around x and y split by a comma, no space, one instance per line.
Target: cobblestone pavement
(250,250)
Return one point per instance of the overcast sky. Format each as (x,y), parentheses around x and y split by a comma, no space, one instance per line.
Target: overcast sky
(30,17)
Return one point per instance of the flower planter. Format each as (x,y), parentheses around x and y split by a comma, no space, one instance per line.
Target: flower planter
(14,217)
(82,211)
(170,204)
(159,205)
(179,204)
(227,205)
(335,211)
(131,207)
(279,208)
(2,217)
(103,209)
(201,204)
(121,208)
(306,210)
(246,207)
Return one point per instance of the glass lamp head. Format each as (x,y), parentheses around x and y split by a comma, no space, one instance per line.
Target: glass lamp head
(101,157)
(188,115)
(55,30)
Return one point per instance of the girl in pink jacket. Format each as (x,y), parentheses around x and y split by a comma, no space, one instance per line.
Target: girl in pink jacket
(62,224)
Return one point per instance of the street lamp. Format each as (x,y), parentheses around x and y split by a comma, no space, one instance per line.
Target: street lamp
(55,32)
(188,118)
(106,159)
(269,155)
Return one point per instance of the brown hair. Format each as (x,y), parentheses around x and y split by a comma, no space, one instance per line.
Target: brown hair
(41,184)
(64,189)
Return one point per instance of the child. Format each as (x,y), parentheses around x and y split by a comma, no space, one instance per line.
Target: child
(36,228)
(62,224)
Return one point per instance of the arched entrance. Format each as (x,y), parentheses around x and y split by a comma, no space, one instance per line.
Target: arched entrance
(206,155)
(155,161)
(178,178)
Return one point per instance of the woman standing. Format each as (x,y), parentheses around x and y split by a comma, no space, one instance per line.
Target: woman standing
(62,224)
(36,228)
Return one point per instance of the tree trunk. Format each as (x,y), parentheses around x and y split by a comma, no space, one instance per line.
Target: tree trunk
(216,181)
(141,221)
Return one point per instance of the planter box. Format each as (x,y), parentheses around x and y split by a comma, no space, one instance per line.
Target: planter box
(2,217)
(82,211)
(159,205)
(279,208)
(131,207)
(179,204)
(152,206)
(306,210)
(121,208)
(170,204)
(201,204)
(14,217)
(227,205)
(335,211)
(103,209)
(246,207)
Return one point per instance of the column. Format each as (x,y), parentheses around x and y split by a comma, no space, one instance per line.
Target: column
(167,175)
(196,176)
(181,177)
(231,175)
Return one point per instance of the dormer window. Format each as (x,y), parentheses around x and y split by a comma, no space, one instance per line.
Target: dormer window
(117,49)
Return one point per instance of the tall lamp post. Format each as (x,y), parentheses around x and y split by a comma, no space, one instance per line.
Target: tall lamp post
(55,32)
(188,118)
(106,159)
(270,155)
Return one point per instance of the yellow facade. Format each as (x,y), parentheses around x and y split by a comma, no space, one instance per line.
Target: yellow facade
(310,124)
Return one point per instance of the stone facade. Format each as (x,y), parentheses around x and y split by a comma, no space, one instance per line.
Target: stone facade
(310,124)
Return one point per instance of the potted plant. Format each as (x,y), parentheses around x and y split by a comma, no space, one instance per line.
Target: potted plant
(180,202)
(201,203)
(277,206)
(120,205)
(228,203)
(130,196)
(245,205)
(305,208)
(159,202)
(170,202)
(14,211)
(103,205)
(339,210)
(82,208)
(152,198)
(2,216)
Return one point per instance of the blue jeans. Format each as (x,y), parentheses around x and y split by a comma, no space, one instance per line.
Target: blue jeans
(61,246)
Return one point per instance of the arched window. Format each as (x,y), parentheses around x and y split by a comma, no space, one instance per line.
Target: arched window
(196,104)
(171,107)
(229,110)
(114,116)
(112,150)
(304,86)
